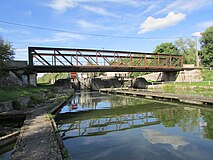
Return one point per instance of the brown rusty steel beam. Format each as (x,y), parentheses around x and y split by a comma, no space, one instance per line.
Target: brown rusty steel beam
(108,56)
(105,59)
(59,61)
(43,69)
(94,50)
(39,60)
(64,58)
(112,59)
(77,60)
(42,58)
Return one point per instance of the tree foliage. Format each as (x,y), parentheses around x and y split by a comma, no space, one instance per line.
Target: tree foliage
(167,48)
(207,47)
(187,49)
(6,51)
(47,78)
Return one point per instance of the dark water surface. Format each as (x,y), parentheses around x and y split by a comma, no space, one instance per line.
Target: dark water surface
(6,151)
(111,127)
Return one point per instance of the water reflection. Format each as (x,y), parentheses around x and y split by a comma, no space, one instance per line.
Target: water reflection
(155,137)
(121,127)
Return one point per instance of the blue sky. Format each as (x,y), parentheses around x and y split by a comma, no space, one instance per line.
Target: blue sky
(151,21)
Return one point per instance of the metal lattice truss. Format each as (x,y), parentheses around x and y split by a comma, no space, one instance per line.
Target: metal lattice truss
(85,60)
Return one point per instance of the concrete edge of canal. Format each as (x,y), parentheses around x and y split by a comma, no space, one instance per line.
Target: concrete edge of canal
(39,137)
(189,99)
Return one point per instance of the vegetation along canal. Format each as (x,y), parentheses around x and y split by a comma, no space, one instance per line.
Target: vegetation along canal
(96,126)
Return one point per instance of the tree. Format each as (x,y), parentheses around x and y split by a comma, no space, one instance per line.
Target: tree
(187,49)
(6,52)
(167,48)
(207,47)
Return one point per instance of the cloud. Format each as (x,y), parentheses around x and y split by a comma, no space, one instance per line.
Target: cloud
(186,6)
(58,37)
(157,137)
(152,24)
(21,50)
(62,5)
(150,8)
(205,24)
(197,34)
(88,25)
(21,53)
(99,10)
(2,30)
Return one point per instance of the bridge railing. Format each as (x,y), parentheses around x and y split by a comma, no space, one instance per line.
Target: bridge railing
(42,56)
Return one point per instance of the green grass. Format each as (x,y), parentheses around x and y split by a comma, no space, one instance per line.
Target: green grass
(203,83)
(207,75)
(12,93)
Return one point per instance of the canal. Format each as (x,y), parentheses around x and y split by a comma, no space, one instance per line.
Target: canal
(95,126)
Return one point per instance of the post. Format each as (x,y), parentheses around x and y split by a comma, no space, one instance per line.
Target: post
(196,53)
(30,56)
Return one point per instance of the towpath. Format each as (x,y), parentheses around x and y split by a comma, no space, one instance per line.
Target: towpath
(37,139)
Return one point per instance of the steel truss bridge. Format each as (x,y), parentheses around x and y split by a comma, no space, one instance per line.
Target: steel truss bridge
(44,59)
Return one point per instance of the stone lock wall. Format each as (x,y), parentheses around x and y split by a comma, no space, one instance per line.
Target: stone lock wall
(190,75)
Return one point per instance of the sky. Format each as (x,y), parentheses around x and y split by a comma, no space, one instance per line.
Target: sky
(132,25)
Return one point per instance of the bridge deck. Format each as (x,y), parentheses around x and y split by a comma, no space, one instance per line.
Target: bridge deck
(44,69)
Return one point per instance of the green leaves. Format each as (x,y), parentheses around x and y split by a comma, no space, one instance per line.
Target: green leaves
(6,51)
(207,47)
(167,48)
(185,47)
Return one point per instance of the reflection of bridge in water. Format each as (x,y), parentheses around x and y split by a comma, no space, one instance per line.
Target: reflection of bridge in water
(104,125)
(101,122)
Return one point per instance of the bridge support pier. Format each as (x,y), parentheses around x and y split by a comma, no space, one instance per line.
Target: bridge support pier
(32,79)
(169,76)
(187,75)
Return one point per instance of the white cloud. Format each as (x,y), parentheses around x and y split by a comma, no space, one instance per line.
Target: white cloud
(67,35)
(197,34)
(88,25)
(152,24)
(157,137)
(21,50)
(99,10)
(21,53)
(185,6)
(2,30)
(12,31)
(58,37)
(62,5)
(150,8)
(205,24)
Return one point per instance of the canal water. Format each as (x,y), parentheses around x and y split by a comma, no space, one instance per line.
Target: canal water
(6,151)
(112,127)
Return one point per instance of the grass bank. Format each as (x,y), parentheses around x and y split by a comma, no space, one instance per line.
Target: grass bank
(188,88)
(11,93)
(207,75)
(202,83)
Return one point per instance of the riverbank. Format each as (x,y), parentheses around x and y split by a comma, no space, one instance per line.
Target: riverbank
(191,99)
(37,135)
(194,88)
(37,139)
